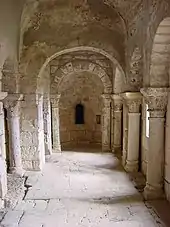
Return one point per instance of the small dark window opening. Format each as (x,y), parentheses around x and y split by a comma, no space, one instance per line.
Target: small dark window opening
(79,114)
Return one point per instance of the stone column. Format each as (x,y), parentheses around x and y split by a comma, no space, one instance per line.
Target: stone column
(125,134)
(55,122)
(47,125)
(133,102)
(117,123)
(3,170)
(12,104)
(157,102)
(106,123)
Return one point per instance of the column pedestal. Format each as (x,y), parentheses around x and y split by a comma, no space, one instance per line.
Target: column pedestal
(117,124)
(133,102)
(106,123)
(55,122)
(157,101)
(12,103)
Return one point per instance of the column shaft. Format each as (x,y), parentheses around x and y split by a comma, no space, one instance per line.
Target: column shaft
(3,169)
(13,114)
(117,124)
(125,135)
(155,167)
(133,142)
(47,126)
(56,123)
(14,130)
(106,123)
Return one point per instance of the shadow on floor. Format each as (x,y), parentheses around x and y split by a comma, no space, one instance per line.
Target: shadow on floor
(128,199)
(162,210)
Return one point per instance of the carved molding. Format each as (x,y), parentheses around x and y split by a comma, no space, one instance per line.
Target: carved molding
(117,102)
(133,100)
(55,98)
(12,104)
(157,99)
(106,98)
(71,68)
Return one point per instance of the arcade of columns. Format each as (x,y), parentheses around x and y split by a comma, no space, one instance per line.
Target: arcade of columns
(121,124)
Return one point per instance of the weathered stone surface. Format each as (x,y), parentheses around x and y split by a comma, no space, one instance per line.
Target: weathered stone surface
(118,46)
(81,197)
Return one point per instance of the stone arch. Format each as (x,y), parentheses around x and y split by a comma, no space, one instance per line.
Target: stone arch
(159,68)
(70,68)
(76,49)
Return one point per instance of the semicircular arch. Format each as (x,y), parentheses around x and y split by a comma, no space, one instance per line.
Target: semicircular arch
(71,68)
(77,49)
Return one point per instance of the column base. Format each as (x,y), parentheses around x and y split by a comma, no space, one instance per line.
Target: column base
(116,149)
(17,171)
(131,166)
(57,149)
(152,193)
(106,148)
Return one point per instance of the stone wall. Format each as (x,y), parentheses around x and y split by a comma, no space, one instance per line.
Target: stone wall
(84,88)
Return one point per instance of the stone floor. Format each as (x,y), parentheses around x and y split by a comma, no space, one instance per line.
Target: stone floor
(79,189)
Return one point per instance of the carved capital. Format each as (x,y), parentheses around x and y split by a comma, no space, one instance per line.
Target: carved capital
(117,102)
(133,100)
(12,104)
(157,99)
(55,98)
(106,99)
(3,95)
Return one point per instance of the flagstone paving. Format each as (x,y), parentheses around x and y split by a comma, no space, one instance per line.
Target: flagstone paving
(79,189)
